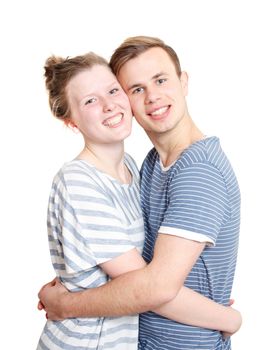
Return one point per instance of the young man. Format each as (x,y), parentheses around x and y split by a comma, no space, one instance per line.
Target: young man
(191,205)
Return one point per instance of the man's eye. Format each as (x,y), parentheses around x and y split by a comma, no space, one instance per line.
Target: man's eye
(91,100)
(161,81)
(137,90)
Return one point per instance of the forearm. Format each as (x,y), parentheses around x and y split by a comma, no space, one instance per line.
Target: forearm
(131,293)
(194,309)
(138,291)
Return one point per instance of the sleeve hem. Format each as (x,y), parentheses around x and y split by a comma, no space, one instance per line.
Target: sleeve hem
(114,255)
(194,236)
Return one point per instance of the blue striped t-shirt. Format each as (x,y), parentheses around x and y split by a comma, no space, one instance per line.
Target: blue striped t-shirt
(196,198)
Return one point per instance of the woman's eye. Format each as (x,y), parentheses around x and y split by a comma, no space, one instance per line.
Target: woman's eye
(91,100)
(114,91)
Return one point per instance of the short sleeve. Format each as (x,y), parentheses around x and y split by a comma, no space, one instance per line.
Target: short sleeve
(198,203)
(91,229)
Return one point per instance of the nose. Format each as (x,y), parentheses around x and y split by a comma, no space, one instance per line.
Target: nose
(152,96)
(108,105)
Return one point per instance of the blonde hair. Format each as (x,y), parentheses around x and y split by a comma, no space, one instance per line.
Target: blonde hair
(134,46)
(58,72)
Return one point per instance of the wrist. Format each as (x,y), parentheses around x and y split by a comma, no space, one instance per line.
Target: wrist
(65,305)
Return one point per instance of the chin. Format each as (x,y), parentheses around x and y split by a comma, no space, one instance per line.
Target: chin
(125,134)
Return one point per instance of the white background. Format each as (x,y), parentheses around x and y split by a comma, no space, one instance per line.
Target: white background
(228,49)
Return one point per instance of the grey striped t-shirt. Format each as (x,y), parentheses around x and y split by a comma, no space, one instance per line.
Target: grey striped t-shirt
(92,218)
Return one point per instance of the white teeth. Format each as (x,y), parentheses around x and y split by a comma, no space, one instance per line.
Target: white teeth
(159,111)
(113,121)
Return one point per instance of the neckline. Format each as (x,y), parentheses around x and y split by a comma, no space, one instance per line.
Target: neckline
(107,175)
(165,169)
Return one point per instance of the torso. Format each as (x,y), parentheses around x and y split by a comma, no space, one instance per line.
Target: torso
(92,218)
(197,195)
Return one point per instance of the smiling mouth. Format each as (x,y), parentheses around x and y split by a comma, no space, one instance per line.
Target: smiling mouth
(113,121)
(159,112)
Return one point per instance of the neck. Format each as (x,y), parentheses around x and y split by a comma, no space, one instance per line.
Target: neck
(172,143)
(107,158)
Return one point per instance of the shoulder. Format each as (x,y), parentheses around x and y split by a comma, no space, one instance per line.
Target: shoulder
(203,156)
(205,150)
(73,170)
(202,165)
(77,176)
(130,162)
(150,158)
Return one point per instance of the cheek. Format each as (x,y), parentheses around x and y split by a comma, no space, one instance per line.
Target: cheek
(136,105)
(127,105)
(123,101)
(182,90)
(139,120)
(91,117)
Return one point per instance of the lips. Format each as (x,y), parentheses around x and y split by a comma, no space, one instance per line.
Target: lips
(159,113)
(113,121)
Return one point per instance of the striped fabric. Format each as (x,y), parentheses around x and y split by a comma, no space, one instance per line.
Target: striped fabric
(197,198)
(92,218)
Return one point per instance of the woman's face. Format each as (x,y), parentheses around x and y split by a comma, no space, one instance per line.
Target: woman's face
(99,107)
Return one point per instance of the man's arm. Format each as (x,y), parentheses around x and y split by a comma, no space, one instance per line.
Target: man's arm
(140,290)
(156,286)
(194,309)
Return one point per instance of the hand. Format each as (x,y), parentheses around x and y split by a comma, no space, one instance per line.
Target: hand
(231,302)
(50,299)
(40,305)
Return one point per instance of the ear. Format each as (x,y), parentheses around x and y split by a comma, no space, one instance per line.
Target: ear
(72,126)
(184,82)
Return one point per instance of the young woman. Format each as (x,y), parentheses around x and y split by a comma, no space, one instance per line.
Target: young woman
(95,224)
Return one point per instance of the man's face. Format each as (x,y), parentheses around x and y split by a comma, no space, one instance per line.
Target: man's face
(156,93)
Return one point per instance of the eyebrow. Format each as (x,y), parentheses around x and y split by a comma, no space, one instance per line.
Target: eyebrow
(156,76)
(110,86)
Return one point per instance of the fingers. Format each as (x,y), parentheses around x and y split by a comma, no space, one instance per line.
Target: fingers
(49,284)
(54,282)
(57,281)
(226,335)
(40,306)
